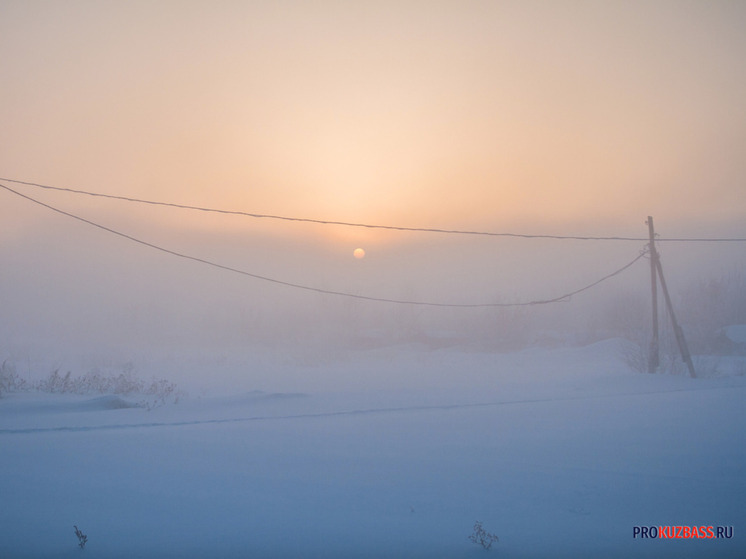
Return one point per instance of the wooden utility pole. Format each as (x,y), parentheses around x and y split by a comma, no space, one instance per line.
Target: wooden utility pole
(656,271)
(654,356)
(678,332)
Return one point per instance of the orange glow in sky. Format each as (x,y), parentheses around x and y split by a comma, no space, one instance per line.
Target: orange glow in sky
(554,117)
(449,114)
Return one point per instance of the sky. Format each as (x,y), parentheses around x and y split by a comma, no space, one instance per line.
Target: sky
(560,117)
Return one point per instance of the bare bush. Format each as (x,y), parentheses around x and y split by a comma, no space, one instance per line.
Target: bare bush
(82,538)
(481,537)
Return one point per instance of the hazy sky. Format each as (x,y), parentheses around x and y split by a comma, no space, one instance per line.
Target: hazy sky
(558,116)
(489,114)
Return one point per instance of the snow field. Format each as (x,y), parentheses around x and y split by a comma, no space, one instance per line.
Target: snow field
(558,452)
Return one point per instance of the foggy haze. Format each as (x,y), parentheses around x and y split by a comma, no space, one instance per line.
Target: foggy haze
(178,383)
(75,293)
(496,116)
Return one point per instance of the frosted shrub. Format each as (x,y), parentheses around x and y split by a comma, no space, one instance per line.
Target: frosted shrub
(95,382)
(6,373)
(157,392)
(482,537)
(636,354)
(707,306)
(56,383)
(9,379)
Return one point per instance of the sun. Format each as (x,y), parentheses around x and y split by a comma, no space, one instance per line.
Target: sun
(358,253)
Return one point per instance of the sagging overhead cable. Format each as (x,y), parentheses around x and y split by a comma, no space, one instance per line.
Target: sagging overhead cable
(363,225)
(558,299)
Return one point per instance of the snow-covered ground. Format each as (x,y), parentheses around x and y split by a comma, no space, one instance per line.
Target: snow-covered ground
(389,452)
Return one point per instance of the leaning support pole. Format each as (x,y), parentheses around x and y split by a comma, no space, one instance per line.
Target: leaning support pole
(680,339)
(654,355)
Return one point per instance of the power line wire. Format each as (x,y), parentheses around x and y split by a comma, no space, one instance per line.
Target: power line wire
(307,220)
(362,225)
(561,298)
